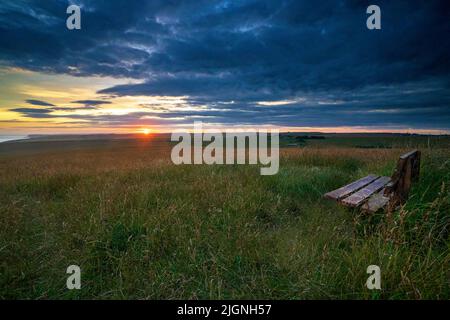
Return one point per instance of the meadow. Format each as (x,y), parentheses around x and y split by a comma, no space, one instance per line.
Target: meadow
(142,228)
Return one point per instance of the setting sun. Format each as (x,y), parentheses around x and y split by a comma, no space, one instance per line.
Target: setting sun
(146,131)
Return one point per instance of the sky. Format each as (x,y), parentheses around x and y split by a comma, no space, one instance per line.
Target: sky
(297,65)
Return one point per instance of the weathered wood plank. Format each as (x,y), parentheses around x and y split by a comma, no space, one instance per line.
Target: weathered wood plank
(376,202)
(350,188)
(407,171)
(357,198)
(394,190)
(409,154)
(416,166)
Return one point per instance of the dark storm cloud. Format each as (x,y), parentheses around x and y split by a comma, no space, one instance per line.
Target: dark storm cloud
(318,53)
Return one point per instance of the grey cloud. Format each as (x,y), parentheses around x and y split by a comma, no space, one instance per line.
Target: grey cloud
(92,102)
(39,103)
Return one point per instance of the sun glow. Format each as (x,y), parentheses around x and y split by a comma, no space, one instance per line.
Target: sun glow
(146,131)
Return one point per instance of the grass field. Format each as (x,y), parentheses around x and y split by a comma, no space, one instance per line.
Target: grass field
(141,228)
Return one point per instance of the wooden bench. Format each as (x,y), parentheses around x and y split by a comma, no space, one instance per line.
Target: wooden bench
(374,192)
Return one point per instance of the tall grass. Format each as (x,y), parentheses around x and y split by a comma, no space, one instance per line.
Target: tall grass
(140,227)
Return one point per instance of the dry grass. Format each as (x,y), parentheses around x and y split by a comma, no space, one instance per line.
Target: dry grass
(140,227)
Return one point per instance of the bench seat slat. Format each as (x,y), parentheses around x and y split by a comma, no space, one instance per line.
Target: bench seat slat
(357,198)
(350,188)
(376,202)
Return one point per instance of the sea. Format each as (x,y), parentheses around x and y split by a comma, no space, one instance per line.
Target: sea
(4,138)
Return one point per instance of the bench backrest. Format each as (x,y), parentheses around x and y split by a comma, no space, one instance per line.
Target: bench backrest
(406,172)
